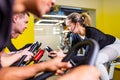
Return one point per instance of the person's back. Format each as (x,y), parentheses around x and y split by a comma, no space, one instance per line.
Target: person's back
(103,39)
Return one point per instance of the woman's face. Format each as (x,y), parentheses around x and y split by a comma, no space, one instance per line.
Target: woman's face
(72,27)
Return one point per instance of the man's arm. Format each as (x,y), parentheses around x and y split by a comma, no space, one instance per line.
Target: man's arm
(21,73)
(82,73)
(8,59)
(25,72)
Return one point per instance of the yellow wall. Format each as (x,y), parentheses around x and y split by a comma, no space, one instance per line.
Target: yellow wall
(112,16)
(27,36)
(99,15)
(108,15)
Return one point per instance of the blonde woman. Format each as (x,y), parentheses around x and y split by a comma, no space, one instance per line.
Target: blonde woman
(109,45)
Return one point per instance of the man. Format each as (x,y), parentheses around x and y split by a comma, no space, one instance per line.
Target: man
(19,24)
(82,73)
(32,70)
(38,7)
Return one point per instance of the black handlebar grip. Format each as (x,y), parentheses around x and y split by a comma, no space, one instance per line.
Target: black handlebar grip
(21,60)
(49,49)
(32,48)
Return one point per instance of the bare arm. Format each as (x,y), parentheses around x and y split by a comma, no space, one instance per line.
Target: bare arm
(82,73)
(22,73)
(9,58)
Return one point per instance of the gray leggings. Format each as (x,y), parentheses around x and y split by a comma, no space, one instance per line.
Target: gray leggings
(108,53)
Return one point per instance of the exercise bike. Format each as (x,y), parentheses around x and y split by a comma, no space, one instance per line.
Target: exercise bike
(90,58)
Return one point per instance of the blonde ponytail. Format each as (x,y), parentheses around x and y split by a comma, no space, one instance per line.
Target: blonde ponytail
(87,19)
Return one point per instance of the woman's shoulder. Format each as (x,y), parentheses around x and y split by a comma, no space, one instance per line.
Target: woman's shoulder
(93,28)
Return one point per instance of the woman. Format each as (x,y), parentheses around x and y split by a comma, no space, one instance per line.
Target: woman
(109,45)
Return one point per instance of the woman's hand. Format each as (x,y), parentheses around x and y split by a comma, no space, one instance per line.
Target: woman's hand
(58,53)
